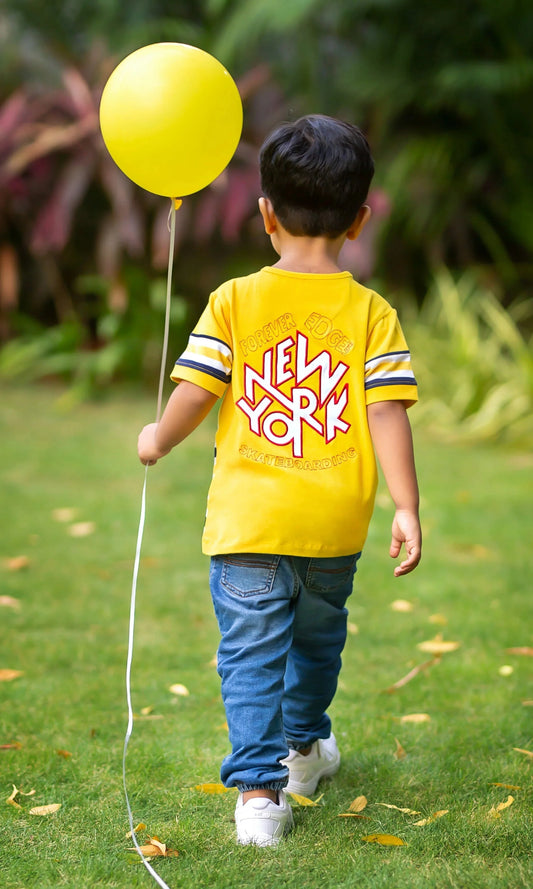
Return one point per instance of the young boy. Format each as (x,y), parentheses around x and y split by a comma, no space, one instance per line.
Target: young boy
(314,377)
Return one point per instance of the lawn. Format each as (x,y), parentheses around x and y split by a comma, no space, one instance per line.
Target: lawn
(70,500)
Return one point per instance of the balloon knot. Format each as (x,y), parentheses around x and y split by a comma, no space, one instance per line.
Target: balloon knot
(177,203)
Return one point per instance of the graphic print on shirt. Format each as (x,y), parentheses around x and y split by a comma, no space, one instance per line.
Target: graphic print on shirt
(280,407)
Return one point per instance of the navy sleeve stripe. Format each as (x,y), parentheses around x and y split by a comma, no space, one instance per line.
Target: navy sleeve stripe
(210,371)
(395,381)
(205,336)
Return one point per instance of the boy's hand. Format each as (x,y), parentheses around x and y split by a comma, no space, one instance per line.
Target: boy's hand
(406,530)
(147,449)
(188,405)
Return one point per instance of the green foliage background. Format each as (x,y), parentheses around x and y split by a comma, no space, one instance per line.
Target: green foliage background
(442,91)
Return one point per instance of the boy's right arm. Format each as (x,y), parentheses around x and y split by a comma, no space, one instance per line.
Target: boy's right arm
(186,408)
(393,443)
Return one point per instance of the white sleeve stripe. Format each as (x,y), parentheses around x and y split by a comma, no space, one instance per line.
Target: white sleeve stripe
(209,349)
(211,343)
(390,375)
(203,359)
(389,358)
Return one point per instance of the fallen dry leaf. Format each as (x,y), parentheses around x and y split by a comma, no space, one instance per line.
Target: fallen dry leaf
(384,839)
(506,670)
(524,650)
(303,800)
(81,529)
(45,810)
(148,850)
(17,563)
(525,752)
(140,826)
(7,675)
(438,619)
(10,602)
(412,673)
(353,815)
(495,811)
(64,514)
(415,718)
(169,853)
(66,754)
(506,786)
(358,804)
(155,849)
(15,745)
(508,802)
(161,846)
(399,753)
(179,689)
(402,605)
(352,628)
(399,809)
(146,711)
(11,800)
(438,645)
(527,703)
(431,818)
(212,788)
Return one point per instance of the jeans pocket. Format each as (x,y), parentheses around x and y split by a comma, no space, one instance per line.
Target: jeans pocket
(249,574)
(330,574)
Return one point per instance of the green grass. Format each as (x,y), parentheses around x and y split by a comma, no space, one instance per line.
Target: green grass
(70,639)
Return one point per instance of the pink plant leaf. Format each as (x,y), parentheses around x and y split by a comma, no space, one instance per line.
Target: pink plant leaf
(54,222)
(121,193)
(240,201)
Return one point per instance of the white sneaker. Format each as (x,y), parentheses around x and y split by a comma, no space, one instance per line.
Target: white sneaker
(306,771)
(260,822)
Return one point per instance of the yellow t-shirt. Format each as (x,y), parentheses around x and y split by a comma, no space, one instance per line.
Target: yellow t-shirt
(297,358)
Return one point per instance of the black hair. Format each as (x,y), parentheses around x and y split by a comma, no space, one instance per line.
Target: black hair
(316,172)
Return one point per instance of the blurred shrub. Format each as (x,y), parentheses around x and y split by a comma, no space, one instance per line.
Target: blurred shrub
(473,364)
(126,345)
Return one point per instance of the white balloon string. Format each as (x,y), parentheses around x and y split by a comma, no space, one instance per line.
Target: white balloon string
(167,310)
(129,730)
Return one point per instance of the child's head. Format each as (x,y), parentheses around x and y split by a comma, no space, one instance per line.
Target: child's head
(316,173)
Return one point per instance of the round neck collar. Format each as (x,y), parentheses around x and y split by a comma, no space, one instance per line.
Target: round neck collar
(286,272)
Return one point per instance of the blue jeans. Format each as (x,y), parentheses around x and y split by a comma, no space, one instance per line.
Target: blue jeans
(283,626)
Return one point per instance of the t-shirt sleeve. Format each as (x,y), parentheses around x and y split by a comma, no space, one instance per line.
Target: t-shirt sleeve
(388,372)
(207,360)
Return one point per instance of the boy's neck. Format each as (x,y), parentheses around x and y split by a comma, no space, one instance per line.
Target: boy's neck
(317,256)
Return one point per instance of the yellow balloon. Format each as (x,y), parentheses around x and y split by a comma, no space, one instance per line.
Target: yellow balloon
(171,118)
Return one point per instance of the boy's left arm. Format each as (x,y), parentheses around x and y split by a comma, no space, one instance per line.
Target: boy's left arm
(393,443)
(188,405)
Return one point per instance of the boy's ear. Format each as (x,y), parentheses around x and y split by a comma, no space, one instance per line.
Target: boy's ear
(267,212)
(359,222)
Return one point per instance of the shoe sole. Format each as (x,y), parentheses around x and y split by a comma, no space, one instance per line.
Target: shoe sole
(268,841)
